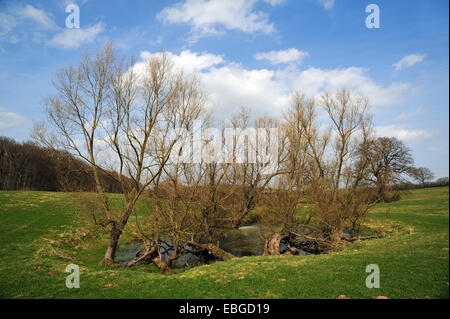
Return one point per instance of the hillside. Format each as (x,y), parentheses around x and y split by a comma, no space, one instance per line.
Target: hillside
(42,232)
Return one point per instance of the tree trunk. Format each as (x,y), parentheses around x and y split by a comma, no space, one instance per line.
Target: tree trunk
(165,267)
(116,231)
(158,263)
(108,259)
(272,245)
(335,235)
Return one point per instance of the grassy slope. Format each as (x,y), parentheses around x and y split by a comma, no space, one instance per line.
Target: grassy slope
(413,264)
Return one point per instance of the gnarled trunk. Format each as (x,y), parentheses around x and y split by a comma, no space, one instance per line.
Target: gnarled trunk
(167,266)
(158,263)
(272,245)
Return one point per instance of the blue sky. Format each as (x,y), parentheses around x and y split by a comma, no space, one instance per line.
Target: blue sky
(252,53)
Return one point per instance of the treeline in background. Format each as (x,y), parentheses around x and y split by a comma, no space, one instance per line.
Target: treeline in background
(27,166)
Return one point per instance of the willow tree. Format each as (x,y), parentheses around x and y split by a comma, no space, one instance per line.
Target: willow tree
(323,167)
(118,116)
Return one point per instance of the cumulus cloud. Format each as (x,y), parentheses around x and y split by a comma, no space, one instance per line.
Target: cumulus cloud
(282,56)
(326,4)
(40,17)
(74,38)
(206,17)
(402,133)
(9,119)
(231,85)
(312,81)
(408,61)
(189,61)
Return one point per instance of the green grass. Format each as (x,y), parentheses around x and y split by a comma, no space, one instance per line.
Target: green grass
(41,233)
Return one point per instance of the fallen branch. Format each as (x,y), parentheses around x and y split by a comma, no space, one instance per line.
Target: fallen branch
(148,251)
(214,250)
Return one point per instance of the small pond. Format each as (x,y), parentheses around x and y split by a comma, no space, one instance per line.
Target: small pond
(245,241)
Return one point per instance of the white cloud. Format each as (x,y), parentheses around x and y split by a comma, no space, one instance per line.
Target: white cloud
(73,38)
(408,115)
(38,16)
(402,133)
(326,4)
(408,61)
(231,85)
(9,119)
(190,61)
(205,17)
(315,80)
(44,29)
(282,56)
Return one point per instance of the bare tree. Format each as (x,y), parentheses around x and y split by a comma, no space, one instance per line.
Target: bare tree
(277,207)
(118,118)
(191,210)
(350,125)
(260,162)
(348,115)
(442,181)
(388,162)
(421,175)
(321,167)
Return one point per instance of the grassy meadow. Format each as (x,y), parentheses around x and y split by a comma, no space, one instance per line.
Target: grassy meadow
(42,232)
